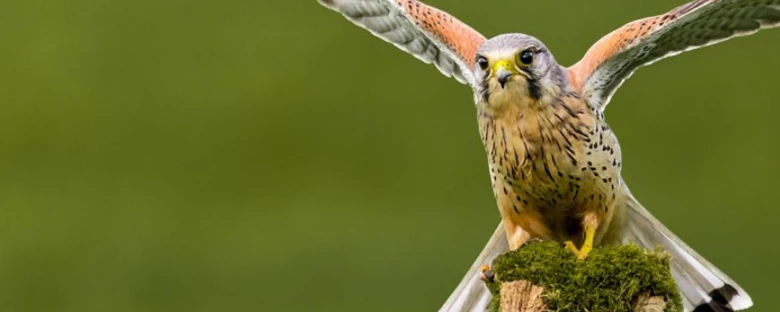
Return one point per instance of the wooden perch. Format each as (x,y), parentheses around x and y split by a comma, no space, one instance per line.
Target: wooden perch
(543,276)
(523,296)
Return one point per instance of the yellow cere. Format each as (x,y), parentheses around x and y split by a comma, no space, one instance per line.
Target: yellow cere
(508,65)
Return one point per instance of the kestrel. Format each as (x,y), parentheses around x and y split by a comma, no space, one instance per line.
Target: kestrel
(554,162)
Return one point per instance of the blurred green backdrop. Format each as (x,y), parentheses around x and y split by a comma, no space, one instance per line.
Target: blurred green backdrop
(268,155)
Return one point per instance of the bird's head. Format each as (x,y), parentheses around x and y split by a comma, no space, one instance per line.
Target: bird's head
(515,68)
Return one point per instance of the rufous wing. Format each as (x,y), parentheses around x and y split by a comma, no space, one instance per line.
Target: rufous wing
(429,34)
(612,59)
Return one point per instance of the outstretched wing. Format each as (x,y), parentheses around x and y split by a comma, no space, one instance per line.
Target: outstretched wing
(700,23)
(427,33)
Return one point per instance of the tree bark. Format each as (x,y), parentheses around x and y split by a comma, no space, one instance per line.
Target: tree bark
(523,296)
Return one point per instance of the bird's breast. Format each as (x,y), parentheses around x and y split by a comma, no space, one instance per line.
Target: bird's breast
(535,152)
(556,159)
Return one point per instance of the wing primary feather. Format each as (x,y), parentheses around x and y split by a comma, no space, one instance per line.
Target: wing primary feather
(612,59)
(427,33)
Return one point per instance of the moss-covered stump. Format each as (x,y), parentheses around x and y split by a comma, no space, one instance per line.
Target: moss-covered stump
(544,276)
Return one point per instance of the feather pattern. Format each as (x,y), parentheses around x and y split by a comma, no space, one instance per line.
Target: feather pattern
(429,34)
(692,273)
(613,59)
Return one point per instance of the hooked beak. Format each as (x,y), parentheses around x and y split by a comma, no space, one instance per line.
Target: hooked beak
(503,71)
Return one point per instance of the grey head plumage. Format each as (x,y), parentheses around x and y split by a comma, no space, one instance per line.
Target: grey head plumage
(530,68)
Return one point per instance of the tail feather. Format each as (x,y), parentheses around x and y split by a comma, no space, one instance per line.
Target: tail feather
(703,286)
(471,294)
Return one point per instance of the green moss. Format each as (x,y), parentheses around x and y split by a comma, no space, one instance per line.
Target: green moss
(610,279)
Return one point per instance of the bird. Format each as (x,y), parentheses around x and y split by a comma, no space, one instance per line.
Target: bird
(555,164)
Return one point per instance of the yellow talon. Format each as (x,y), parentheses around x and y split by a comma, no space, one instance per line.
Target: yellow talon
(571,247)
(587,246)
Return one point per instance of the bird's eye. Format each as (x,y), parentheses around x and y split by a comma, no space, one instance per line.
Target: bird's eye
(526,57)
(482,62)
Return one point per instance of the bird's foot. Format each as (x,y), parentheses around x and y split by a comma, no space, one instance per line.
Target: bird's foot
(587,246)
(570,245)
(486,274)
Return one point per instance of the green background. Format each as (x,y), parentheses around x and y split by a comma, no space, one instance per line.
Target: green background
(268,155)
